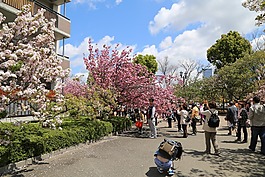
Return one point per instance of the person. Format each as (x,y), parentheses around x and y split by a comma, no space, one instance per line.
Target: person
(178,119)
(170,116)
(151,118)
(168,151)
(139,120)
(257,123)
(194,116)
(184,114)
(210,132)
(242,119)
(231,117)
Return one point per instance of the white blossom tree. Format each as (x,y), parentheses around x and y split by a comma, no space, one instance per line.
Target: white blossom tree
(28,62)
(257,6)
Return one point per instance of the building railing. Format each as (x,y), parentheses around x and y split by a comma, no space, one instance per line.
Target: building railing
(36,5)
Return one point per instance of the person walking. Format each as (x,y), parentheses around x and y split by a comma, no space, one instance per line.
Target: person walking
(231,117)
(170,116)
(178,118)
(242,119)
(257,123)
(184,119)
(151,118)
(210,132)
(194,116)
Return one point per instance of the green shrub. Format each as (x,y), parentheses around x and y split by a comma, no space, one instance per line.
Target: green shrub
(119,124)
(30,140)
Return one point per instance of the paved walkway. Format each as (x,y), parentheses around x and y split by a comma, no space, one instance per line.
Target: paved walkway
(129,155)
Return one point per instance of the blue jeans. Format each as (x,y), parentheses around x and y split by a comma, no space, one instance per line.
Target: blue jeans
(255,132)
(164,165)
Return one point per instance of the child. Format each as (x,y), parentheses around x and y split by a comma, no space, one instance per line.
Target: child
(139,120)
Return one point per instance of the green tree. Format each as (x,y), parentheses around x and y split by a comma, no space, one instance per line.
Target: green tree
(205,89)
(242,77)
(149,61)
(228,49)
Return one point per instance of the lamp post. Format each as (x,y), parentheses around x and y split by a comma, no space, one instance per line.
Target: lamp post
(183,77)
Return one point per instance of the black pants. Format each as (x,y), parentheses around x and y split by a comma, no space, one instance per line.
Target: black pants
(185,131)
(169,121)
(179,125)
(193,125)
(244,131)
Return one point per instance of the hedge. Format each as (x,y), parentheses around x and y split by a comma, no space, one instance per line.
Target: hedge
(30,140)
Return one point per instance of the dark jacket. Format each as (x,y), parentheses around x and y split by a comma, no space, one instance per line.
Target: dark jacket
(232,114)
(244,117)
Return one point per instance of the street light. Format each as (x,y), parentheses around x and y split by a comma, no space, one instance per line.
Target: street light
(183,77)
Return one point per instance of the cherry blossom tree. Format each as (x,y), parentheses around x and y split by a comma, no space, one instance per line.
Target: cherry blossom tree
(131,84)
(75,87)
(28,62)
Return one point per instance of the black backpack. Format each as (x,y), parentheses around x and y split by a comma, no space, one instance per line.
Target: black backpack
(214,120)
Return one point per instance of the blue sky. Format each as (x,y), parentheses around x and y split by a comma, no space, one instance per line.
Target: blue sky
(181,30)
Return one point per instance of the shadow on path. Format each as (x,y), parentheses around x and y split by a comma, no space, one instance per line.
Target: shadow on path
(231,160)
(154,173)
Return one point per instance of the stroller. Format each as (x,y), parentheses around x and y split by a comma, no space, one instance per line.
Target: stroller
(167,152)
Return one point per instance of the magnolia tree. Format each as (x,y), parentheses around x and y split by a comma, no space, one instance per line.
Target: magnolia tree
(28,61)
(131,84)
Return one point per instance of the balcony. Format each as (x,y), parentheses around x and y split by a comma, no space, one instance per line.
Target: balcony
(65,61)
(62,24)
(59,2)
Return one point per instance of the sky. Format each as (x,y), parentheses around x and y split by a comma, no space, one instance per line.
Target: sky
(181,30)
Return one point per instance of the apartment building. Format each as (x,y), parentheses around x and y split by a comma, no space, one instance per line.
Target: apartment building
(55,9)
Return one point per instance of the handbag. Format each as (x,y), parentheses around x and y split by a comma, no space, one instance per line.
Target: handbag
(197,118)
(187,118)
(139,124)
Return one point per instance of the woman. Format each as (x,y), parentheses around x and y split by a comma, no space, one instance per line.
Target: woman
(242,119)
(210,132)
(184,116)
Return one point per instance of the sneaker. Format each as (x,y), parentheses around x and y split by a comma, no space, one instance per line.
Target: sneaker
(152,137)
(217,153)
(206,152)
(244,141)
(238,140)
(170,172)
(253,150)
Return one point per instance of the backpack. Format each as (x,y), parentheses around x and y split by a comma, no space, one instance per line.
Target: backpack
(214,120)
(171,149)
(187,118)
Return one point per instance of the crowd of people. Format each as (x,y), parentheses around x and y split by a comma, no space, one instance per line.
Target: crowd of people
(239,116)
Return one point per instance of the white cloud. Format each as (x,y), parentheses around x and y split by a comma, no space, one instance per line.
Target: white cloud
(200,24)
(93,3)
(118,2)
(77,53)
(166,43)
(224,13)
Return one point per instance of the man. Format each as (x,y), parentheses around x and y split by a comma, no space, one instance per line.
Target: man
(151,118)
(231,117)
(257,123)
